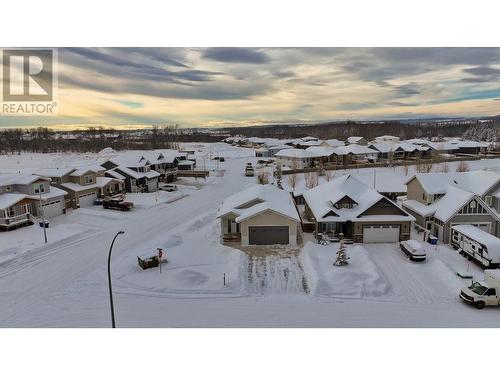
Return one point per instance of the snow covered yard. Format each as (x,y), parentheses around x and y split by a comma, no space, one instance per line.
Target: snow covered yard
(64,283)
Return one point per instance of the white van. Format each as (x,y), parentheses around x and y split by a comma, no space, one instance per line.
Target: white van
(477,244)
(483,293)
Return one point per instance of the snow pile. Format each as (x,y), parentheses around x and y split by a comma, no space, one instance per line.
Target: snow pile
(359,279)
(108,151)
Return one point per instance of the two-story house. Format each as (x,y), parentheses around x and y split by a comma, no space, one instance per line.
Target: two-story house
(440,200)
(26,197)
(136,171)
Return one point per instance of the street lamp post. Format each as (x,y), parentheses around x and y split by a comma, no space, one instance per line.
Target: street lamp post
(109,280)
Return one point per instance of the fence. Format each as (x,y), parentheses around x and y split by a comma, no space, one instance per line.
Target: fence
(393,163)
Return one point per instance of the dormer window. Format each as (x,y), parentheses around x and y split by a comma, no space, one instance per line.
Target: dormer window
(345,202)
(88,179)
(39,188)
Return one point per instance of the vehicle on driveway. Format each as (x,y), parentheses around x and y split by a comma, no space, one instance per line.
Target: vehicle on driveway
(483,293)
(168,188)
(413,250)
(117,204)
(249,171)
(476,244)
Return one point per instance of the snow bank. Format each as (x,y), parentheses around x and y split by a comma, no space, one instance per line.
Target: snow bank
(359,279)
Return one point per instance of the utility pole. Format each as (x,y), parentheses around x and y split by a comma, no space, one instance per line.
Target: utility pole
(42,213)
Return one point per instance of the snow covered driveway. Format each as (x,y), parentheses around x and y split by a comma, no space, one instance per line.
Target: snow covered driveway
(275,274)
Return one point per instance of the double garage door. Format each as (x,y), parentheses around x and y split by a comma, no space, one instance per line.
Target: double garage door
(86,200)
(54,208)
(268,235)
(380,233)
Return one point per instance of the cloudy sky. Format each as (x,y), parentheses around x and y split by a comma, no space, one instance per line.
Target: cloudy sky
(125,87)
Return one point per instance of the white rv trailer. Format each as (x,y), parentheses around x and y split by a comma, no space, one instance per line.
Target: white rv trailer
(477,244)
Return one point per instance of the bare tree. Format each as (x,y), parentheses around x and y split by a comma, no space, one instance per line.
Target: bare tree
(263,178)
(406,168)
(463,167)
(444,168)
(311,180)
(329,175)
(292,180)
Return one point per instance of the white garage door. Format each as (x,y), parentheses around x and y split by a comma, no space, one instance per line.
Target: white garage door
(380,233)
(54,208)
(152,185)
(86,200)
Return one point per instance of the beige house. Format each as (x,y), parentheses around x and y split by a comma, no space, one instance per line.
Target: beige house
(260,215)
(348,206)
(84,185)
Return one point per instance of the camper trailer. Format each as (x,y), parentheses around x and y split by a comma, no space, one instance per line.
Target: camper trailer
(474,243)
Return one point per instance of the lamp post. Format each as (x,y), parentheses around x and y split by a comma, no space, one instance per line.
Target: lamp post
(109,280)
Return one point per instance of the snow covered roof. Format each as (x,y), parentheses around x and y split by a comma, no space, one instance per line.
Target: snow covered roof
(258,199)
(20,179)
(354,139)
(52,193)
(355,149)
(103,181)
(446,206)
(321,150)
(321,201)
(186,162)
(334,142)
(55,172)
(9,199)
(295,153)
(130,159)
(115,174)
(492,242)
(77,187)
(478,182)
(135,174)
(86,169)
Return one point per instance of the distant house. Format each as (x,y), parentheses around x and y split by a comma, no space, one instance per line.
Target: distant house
(260,215)
(24,197)
(295,158)
(83,184)
(332,143)
(262,153)
(440,200)
(386,138)
(400,150)
(348,206)
(355,153)
(356,141)
(186,165)
(136,171)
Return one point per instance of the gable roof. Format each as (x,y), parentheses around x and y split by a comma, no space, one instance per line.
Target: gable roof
(478,182)
(265,197)
(9,199)
(448,205)
(20,178)
(321,201)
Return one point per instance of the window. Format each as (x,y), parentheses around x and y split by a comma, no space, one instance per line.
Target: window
(489,200)
(88,179)
(8,188)
(490,292)
(39,188)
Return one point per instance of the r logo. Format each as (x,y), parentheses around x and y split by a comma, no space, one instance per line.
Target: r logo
(27,75)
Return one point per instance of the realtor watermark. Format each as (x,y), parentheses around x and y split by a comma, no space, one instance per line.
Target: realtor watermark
(28,82)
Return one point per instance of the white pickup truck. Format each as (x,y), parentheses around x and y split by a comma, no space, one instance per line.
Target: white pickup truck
(483,293)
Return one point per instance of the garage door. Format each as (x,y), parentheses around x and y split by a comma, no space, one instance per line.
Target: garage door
(86,200)
(54,208)
(268,235)
(380,233)
(152,185)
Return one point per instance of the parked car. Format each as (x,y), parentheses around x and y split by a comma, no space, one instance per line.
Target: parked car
(413,250)
(117,204)
(168,187)
(483,293)
(249,171)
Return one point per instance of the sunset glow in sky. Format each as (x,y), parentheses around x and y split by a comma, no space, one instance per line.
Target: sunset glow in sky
(134,87)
